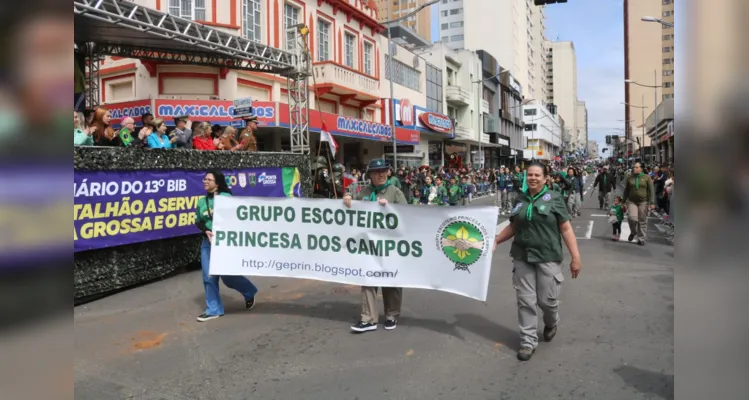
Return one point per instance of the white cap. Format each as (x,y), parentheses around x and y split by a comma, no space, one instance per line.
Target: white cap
(501,166)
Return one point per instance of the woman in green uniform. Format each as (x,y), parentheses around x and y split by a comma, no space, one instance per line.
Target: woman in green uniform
(538,222)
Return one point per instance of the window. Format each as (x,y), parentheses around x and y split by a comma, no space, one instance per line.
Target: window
(445,39)
(455,11)
(368,58)
(667,61)
(456,38)
(668,96)
(349,45)
(251,20)
(666,2)
(291,18)
(323,40)
(531,111)
(434,89)
(530,127)
(445,26)
(668,37)
(667,49)
(667,84)
(668,13)
(188,9)
(444,13)
(458,24)
(668,72)
(403,74)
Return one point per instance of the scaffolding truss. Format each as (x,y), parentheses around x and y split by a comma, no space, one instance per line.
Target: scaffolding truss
(125,29)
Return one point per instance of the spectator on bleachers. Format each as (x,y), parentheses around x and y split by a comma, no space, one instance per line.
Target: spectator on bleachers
(158,139)
(203,139)
(82,133)
(104,134)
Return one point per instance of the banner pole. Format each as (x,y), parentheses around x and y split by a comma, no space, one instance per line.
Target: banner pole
(332,177)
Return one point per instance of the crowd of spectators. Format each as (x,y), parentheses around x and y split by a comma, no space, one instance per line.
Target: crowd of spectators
(95,129)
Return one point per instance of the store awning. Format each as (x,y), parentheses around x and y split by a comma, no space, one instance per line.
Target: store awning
(125,29)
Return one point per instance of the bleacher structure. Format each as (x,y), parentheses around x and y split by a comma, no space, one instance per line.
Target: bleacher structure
(125,29)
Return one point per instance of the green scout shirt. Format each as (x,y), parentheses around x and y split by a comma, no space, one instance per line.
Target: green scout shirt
(639,189)
(441,195)
(617,210)
(394,181)
(416,201)
(537,235)
(204,213)
(391,193)
(454,194)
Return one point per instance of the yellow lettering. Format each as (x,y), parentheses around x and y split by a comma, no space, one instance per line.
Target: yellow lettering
(146,225)
(151,206)
(163,204)
(158,222)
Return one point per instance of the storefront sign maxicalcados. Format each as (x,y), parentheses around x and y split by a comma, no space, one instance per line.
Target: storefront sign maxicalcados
(436,122)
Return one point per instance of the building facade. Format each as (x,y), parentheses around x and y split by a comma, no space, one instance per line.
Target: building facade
(582,126)
(530,63)
(593,152)
(563,93)
(421,23)
(543,132)
(349,90)
(648,60)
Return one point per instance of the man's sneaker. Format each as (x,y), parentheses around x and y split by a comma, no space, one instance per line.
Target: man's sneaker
(390,324)
(631,237)
(549,333)
(250,304)
(206,317)
(641,242)
(525,353)
(362,327)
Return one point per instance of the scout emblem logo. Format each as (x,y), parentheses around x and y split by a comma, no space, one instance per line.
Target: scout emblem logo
(542,207)
(253,178)
(517,207)
(242,180)
(546,197)
(463,241)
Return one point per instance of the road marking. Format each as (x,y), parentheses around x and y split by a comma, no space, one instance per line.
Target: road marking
(588,232)
(599,215)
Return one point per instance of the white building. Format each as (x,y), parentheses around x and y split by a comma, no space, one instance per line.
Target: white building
(512,31)
(461,97)
(593,149)
(543,132)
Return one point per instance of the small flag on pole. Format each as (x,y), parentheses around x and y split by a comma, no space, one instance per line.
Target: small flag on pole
(325,136)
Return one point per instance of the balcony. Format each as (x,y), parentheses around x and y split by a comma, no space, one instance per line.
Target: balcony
(484,106)
(457,95)
(344,81)
(462,132)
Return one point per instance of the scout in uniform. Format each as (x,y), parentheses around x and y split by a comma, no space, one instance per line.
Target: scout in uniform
(538,222)
(384,193)
(182,134)
(638,194)
(247,140)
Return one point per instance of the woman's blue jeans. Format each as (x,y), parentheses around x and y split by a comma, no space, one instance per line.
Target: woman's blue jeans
(213,303)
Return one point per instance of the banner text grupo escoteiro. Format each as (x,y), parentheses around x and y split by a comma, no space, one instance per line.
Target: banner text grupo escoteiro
(118,208)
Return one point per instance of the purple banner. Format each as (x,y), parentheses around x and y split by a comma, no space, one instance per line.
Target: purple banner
(117,208)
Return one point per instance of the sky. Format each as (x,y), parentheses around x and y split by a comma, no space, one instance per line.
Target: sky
(597,29)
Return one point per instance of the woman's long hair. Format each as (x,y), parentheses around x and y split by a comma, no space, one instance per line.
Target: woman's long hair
(101,127)
(223,187)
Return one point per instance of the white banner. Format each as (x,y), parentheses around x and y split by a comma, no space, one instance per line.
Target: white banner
(427,247)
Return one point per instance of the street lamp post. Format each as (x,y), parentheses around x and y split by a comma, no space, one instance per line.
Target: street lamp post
(655,87)
(390,68)
(648,18)
(642,109)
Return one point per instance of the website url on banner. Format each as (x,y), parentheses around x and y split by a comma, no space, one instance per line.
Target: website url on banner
(316,267)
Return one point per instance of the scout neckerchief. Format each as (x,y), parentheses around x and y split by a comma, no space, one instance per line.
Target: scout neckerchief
(529,210)
(524,186)
(375,190)
(637,180)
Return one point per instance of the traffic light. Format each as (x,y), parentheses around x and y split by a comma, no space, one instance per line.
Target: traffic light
(615,138)
(608,139)
(605,149)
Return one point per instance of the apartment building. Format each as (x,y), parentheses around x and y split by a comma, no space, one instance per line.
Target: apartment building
(480,25)
(593,149)
(420,23)
(530,63)
(543,132)
(348,94)
(648,59)
(582,126)
(562,68)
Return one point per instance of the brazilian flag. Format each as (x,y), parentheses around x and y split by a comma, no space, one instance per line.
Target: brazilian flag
(292,185)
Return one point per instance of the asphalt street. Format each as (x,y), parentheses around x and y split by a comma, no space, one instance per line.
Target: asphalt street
(615,337)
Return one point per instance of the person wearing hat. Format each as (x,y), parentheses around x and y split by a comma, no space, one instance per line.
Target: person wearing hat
(384,193)
(247,140)
(606,185)
(182,132)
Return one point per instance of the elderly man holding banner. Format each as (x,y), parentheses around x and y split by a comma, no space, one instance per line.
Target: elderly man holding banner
(383,192)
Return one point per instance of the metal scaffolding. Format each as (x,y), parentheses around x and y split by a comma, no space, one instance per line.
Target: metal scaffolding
(125,29)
